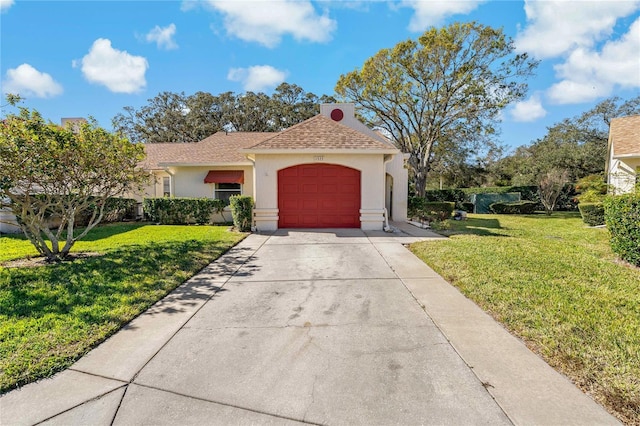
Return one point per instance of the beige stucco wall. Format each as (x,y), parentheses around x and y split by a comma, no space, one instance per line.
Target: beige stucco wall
(372,187)
(398,171)
(189,181)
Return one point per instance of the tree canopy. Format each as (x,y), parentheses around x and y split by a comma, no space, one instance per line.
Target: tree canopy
(446,87)
(577,145)
(176,117)
(54,172)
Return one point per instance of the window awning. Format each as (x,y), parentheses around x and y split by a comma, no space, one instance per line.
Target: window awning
(224,176)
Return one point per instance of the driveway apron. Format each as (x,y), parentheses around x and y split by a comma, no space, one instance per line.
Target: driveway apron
(324,327)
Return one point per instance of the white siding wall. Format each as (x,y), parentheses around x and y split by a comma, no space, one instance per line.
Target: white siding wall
(622,175)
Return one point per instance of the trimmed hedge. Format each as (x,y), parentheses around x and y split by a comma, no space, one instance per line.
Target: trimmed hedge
(242,212)
(566,201)
(429,210)
(456,196)
(181,211)
(518,207)
(467,206)
(622,216)
(440,210)
(592,213)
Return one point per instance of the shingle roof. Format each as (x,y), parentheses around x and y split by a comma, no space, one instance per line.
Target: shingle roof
(218,148)
(320,133)
(624,134)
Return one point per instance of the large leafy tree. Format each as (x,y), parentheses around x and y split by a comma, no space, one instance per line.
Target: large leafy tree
(577,145)
(176,117)
(448,85)
(50,172)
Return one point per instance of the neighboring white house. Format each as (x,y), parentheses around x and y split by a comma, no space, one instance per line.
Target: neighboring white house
(329,171)
(623,160)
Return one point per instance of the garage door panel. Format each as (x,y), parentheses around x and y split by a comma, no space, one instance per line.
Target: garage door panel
(308,172)
(309,205)
(290,172)
(289,189)
(319,196)
(309,188)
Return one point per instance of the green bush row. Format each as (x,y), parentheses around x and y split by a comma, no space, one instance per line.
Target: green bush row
(242,212)
(437,210)
(459,196)
(517,207)
(592,213)
(181,211)
(622,216)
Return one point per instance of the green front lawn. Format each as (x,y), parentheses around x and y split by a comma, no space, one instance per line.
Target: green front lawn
(51,315)
(554,282)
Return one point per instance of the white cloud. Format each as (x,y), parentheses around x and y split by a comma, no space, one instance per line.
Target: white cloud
(258,77)
(116,69)
(557,26)
(163,37)
(266,22)
(5,5)
(529,110)
(433,12)
(588,74)
(25,80)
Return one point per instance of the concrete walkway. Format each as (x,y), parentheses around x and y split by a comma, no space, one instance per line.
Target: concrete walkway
(321,327)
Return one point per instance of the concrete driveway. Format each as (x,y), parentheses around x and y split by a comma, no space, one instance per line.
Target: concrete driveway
(324,327)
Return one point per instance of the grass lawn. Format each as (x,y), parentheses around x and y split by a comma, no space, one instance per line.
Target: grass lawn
(52,315)
(555,283)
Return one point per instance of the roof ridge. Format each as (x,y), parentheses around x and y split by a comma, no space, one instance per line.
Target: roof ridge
(285,130)
(327,120)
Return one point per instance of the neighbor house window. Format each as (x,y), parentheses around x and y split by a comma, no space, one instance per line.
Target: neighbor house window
(226,183)
(225,190)
(166,186)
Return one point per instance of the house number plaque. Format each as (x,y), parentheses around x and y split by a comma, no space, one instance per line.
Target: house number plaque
(318,158)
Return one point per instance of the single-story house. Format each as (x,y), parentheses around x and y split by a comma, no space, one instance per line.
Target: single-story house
(623,157)
(330,171)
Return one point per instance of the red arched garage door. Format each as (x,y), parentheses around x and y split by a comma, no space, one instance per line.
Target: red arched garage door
(319,196)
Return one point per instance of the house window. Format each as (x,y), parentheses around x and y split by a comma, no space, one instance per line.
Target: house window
(225,190)
(166,186)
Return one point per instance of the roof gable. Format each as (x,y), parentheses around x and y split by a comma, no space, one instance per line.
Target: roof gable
(624,136)
(320,133)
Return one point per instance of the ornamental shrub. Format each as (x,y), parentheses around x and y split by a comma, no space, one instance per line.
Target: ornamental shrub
(242,212)
(439,210)
(516,207)
(622,216)
(181,211)
(415,206)
(592,213)
(425,210)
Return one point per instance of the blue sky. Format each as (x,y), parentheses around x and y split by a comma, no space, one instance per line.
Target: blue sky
(92,58)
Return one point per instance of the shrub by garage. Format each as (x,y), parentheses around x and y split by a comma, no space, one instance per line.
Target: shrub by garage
(242,212)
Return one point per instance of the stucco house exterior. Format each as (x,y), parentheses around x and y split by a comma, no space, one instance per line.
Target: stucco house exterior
(623,159)
(330,171)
